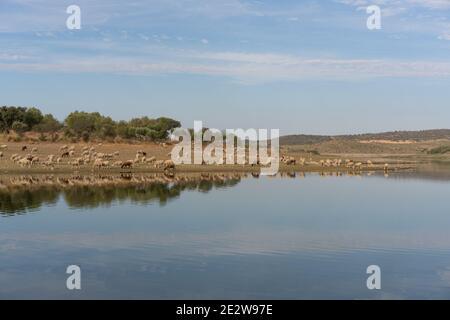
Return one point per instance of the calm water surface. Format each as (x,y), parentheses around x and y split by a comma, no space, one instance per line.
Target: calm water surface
(275,238)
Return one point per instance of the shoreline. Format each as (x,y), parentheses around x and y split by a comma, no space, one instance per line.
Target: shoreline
(204,169)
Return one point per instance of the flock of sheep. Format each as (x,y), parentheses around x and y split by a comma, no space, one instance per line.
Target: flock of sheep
(88,156)
(99,160)
(335,163)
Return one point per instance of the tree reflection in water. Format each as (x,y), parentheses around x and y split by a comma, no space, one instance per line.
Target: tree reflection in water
(23,194)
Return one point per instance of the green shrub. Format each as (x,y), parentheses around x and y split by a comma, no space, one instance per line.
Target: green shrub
(19,127)
(84,125)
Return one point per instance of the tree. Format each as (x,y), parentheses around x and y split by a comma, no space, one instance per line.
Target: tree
(85,125)
(19,126)
(79,122)
(32,117)
(48,124)
(106,127)
(165,126)
(8,115)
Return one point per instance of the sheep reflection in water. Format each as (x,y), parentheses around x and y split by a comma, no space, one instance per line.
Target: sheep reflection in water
(22,194)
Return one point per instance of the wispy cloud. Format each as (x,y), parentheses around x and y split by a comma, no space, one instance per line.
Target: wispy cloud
(239,66)
(38,15)
(429,16)
(135,49)
(397,4)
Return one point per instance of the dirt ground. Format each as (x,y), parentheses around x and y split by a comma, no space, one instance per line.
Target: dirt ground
(162,152)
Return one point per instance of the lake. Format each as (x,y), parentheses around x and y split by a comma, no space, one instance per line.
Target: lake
(292,237)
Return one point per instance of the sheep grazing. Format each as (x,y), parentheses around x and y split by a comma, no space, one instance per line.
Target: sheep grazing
(47,163)
(63,148)
(267,161)
(288,160)
(159,163)
(127,164)
(116,154)
(151,160)
(24,148)
(65,154)
(71,153)
(358,165)
(291,161)
(118,164)
(99,163)
(169,165)
(34,150)
(3,147)
(79,161)
(24,162)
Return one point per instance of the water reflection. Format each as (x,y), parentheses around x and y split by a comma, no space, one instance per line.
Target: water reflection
(28,193)
(20,194)
(297,235)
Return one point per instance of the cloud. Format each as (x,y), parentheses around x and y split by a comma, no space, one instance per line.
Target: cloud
(132,52)
(244,67)
(38,15)
(445,36)
(396,4)
(431,4)
(411,16)
(398,7)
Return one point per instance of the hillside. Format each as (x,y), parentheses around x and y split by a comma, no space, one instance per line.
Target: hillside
(417,136)
(433,142)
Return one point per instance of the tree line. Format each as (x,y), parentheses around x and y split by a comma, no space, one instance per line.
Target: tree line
(84,125)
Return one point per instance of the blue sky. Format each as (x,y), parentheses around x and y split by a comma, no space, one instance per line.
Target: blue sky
(301,66)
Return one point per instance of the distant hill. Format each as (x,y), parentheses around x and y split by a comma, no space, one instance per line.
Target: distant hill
(303,139)
(418,136)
